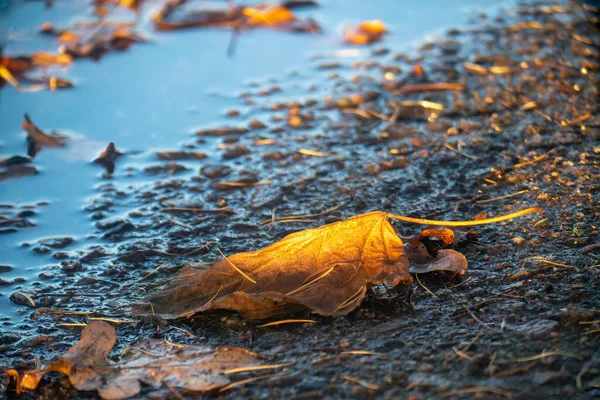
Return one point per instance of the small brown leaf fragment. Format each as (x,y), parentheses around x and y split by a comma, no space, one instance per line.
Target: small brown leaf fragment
(108,157)
(154,362)
(36,138)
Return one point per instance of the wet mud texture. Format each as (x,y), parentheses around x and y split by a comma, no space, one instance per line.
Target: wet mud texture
(519,128)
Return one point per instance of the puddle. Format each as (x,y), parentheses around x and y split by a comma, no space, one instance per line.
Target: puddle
(153,97)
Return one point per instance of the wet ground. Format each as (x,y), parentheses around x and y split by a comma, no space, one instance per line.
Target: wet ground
(519,128)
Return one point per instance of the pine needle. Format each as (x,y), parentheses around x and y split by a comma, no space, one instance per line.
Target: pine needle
(255,368)
(307,285)
(236,268)
(549,354)
(500,392)
(486,221)
(288,321)
(245,381)
(361,382)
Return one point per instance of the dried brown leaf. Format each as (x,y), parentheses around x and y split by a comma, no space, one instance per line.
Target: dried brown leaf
(153,362)
(36,138)
(326,269)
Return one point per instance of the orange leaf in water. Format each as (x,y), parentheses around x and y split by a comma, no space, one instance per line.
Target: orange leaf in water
(326,269)
(269,16)
(68,37)
(193,367)
(44,59)
(365,33)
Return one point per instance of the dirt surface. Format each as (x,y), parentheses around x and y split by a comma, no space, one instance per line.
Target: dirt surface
(519,128)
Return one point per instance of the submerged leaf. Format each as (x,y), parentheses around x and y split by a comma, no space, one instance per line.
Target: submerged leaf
(153,362)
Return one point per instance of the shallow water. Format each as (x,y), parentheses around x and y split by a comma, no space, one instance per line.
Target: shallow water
(154,96)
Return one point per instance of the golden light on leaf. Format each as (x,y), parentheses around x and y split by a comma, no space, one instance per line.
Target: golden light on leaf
(366,32)
(326,269)
(44,59)
(269,16)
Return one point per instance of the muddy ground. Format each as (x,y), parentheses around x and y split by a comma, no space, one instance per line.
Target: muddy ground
(521,131)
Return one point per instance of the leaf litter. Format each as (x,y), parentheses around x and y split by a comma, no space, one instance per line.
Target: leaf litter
(326,269)
(198,368)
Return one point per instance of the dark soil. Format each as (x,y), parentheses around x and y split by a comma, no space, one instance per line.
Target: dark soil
(523,132)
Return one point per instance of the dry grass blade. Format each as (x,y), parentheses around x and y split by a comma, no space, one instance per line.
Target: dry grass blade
(236,268)
(180,224)
(288,321)
(28,297)
(535,159)
(179,346)
(314,153)
(462,354)
(312,282)
(256,368)
(414,384)
(146,352)
(486,221)
(198,210)
(421,103)
(590,332)
(549,354)
(475,317)
(246,381)
(460,152)
(364,353)
(216,294)
(350,299)
(506,196)
(114,321)
(361,382)
(513,371)
(424,87)
(589,322)
(500,392)
(423,286)
(74,325)
(302,217)
(63,312)
(546,261)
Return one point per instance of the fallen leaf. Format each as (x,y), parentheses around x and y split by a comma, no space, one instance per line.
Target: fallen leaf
(365,33)
(108,157)
(271,15)
(36,138)
(174,15)
(326,269)
(154,362)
